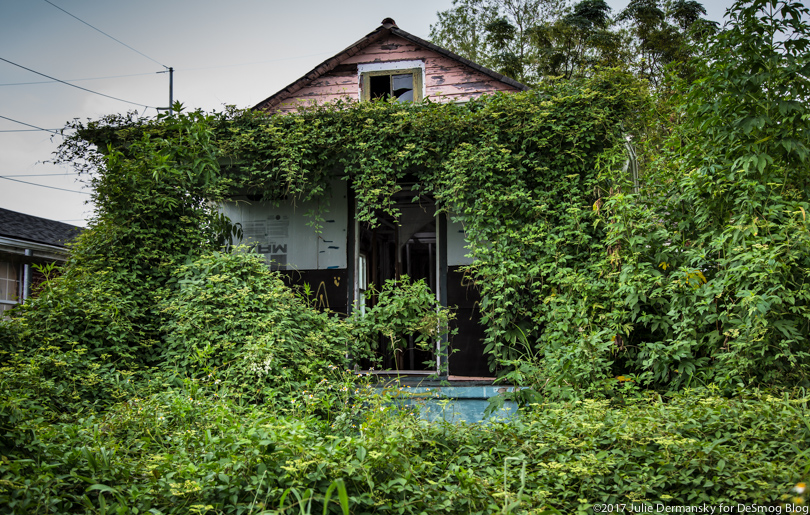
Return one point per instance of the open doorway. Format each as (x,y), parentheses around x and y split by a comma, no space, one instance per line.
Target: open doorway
(407,246)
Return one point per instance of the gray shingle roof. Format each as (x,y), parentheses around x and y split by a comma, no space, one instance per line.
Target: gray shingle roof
(33,228)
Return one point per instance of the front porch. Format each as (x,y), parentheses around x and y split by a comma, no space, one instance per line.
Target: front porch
(457,399)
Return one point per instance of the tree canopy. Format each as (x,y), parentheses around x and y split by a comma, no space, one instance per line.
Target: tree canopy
(531,40)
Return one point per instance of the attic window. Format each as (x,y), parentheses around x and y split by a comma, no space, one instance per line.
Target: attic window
(400,86)
(401,81)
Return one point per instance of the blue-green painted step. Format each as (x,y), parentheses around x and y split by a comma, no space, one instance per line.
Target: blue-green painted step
(454,403)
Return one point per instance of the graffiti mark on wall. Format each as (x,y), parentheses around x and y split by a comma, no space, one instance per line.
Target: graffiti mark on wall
(322,296)
(270,249)
(467,281)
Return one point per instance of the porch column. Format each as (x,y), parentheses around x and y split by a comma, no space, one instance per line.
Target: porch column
(442,352)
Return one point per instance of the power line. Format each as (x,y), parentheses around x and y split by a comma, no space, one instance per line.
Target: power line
(75,86)
(99,30)
(43,174)
(27,130)
(44,186)
(76,80)
(252,63)
(28,124)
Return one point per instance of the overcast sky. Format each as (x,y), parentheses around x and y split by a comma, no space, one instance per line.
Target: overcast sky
(237,52)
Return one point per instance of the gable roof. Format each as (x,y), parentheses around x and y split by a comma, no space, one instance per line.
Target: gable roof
(20,226)
(387,28)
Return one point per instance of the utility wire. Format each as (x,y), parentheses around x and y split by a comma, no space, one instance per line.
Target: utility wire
(76,80)
(27,130)
(75,86)
(184,70)
(43,174)
(99,30)
(28,124)
(44,186)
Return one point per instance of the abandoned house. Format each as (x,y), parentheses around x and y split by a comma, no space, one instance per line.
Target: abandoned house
(341,260)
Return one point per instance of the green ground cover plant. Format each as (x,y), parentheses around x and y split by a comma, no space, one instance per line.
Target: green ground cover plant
(200,449)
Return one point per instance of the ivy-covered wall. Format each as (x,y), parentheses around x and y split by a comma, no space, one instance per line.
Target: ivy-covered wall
(693,274)
(523,171)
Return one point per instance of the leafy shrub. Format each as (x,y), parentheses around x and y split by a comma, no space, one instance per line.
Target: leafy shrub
(77,337)
(712,255)
(93,325)
(403,308)
(228,317)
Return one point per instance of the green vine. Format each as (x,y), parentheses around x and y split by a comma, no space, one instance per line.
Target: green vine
(521,171)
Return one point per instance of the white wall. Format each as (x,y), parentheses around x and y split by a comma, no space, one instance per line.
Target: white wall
(281,232)
(456,244)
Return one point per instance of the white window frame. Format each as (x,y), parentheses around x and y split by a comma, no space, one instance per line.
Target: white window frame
(364,71)
(17,286)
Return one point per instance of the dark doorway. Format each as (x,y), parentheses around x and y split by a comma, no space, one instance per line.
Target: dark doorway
(393,248)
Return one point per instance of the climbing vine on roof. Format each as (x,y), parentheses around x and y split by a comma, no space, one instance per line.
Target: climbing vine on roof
(521,171)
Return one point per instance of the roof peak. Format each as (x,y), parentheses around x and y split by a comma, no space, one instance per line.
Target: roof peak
(389,27)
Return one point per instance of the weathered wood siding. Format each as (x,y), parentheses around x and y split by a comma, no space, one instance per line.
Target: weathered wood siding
(445,79)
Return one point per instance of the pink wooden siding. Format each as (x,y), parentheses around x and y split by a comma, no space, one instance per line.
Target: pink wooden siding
(445,79)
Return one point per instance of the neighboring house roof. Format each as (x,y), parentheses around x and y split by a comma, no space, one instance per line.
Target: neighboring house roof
(387,29)
(19,226)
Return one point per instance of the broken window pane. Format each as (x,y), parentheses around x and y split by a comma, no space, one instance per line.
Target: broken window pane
(380,86)
(402,87)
